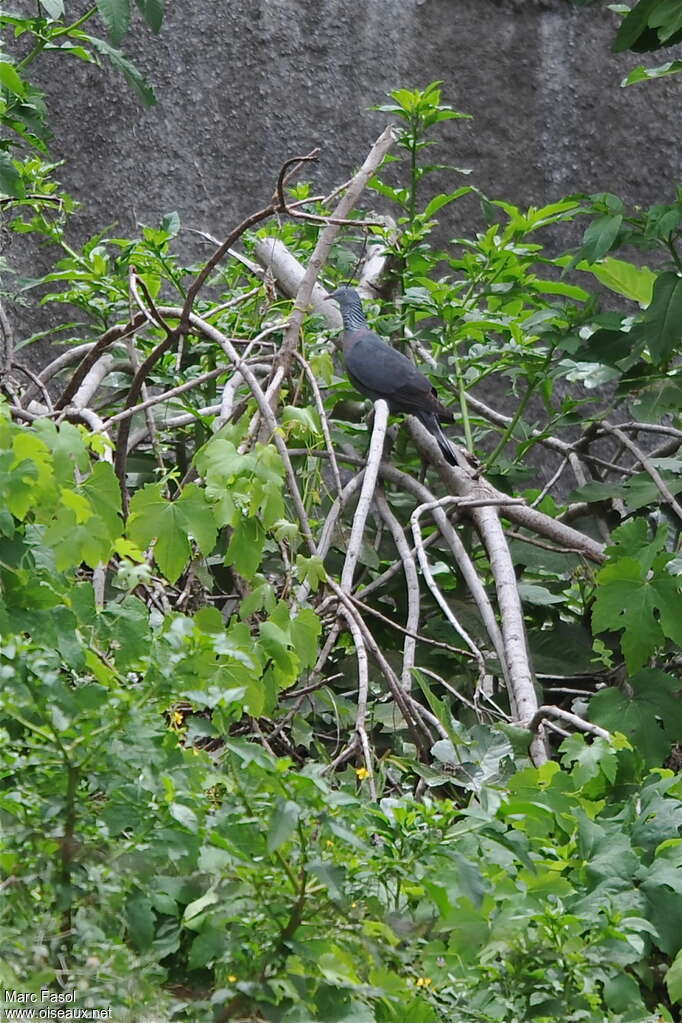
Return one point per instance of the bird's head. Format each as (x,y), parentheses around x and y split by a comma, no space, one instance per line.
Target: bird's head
(350,306)
(345,296)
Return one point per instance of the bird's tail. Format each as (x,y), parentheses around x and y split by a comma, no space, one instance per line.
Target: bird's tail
(430,421)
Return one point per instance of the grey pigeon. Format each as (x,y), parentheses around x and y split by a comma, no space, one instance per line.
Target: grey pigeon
(380,371)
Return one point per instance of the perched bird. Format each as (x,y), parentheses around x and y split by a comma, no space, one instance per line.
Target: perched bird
(380,371)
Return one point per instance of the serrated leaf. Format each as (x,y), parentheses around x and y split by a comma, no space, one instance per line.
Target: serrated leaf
(116,16)
(152,12)
(648,712)
(132,74)
(284,819)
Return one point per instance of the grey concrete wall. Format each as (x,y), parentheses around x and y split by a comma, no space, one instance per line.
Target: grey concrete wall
(242,84)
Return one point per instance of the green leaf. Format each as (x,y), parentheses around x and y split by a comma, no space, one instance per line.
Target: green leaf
(140,920)
(133,76)
(667,19)
(648,712)
(673,979)
(634,282)
(305,631)
(116,16)
(10,79)
(282,823)
(169,524)
(11,182)
(54,8)
(600,236)
(185,816)
(152,12)
(637,594)
(208,946)
(331,875)
(531,593)
(443,199)
(311,570)
(661,324)
(197,906)
(633,26)
(246,546)
(645,74)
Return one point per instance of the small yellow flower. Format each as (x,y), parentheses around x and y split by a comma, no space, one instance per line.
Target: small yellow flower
(423,981)
(329,843)
(362,773)
(232,979)
(177,718)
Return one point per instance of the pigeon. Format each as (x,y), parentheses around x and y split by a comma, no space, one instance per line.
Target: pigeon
(380,371)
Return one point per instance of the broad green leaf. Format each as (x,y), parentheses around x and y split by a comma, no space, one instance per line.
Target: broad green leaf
(103,491)
(246,546)
(170,524)
(310,570)
(185,816)
(116,16)
(197,906)
(635,282)
(667,19)
(207,947)
(532,593)
(140,919)
(673,979)
(560,288)
(634,25)
(337,967)
(331,875)
(11,182)
(282,823)
(305,631)
(10,79)
(649,712)
(661,324)
(600,236)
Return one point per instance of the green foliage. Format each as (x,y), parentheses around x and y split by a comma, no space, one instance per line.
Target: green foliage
(190,819)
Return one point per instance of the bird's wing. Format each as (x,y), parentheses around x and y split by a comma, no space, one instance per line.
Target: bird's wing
(380,371)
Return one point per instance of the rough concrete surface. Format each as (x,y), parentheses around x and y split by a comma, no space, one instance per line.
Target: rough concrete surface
(244,84)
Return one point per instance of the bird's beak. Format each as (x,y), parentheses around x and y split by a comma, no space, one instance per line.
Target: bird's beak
(327,298)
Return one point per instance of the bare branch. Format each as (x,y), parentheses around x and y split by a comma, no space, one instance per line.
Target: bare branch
(411,583)
(376,450)
(566,715)
(647,465)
